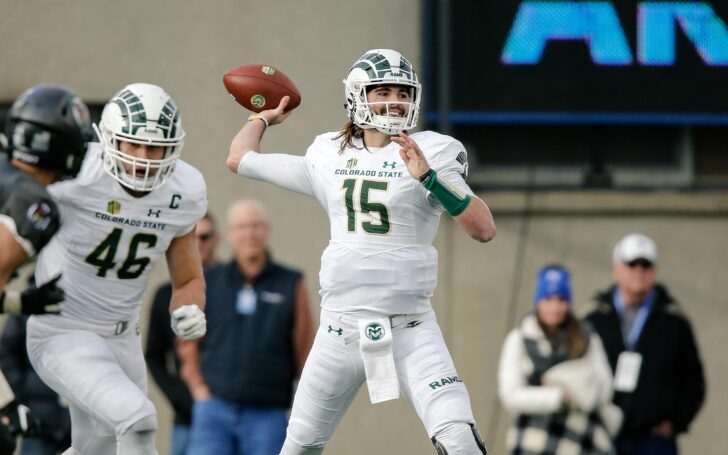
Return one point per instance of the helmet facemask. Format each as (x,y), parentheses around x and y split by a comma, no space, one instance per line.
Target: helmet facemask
(376,68)
(141,114)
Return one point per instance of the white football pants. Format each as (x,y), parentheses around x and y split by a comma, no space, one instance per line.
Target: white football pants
(101,373)
(334,373)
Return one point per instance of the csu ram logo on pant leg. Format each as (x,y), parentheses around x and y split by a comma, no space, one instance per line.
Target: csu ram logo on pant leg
(374,331)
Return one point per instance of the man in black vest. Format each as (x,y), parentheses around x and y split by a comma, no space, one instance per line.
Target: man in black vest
(658,376)
(163,362)
(46,134)
(260,330)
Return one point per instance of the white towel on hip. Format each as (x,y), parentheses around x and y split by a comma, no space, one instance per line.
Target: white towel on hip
(375,345)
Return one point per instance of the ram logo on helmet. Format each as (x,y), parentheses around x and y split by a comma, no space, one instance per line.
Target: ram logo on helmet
(376,68)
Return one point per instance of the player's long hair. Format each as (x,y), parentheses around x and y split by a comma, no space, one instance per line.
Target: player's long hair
(347,135)
(575,337)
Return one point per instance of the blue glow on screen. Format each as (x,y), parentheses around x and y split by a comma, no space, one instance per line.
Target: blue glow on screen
(656,32)
(597,25)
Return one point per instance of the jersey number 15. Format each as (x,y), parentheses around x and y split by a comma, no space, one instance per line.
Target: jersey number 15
(365,206)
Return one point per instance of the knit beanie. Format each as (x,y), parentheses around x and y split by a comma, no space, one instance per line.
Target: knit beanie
(552,280)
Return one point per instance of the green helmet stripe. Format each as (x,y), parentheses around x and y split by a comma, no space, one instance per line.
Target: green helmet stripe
(168,119)
(378,67)
(133,110)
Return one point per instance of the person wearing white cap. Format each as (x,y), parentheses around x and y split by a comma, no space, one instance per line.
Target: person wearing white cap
(658,375)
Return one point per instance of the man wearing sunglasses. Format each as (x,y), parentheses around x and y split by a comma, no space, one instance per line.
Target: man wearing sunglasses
(658,376)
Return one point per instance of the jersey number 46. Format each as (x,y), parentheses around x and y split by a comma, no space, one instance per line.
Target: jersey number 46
(103,256)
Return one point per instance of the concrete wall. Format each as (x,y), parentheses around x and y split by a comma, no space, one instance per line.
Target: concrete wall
(96,47)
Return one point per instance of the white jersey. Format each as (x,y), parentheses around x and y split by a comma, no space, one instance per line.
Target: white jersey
(109,240)
(380,257)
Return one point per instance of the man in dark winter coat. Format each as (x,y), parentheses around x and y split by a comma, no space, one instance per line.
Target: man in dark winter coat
(658,375)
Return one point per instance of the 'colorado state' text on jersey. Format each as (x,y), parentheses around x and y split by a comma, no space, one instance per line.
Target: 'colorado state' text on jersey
(380,257)
(110,240)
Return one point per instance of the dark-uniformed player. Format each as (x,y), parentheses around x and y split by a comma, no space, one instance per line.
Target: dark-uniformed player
(46,133)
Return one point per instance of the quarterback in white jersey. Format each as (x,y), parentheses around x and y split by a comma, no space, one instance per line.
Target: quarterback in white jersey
(133,201)
(384,192)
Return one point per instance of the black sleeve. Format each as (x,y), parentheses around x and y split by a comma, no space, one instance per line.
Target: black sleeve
(692,378)
(158,341)
(13,359)
(35,215)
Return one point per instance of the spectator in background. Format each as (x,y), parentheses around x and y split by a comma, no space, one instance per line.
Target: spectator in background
(260,330)
(554,377)
(55,420)
(659,382)
(161,354)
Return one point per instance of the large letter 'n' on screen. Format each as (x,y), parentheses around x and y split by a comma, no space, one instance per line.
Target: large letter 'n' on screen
(656,32)
(594,23)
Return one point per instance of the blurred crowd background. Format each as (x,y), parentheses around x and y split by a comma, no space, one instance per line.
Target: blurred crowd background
(571,148)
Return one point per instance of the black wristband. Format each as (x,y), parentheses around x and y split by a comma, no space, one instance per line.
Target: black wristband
(426,175)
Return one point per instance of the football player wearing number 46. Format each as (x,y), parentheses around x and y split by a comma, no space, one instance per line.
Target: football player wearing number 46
(133,201)
(384,192)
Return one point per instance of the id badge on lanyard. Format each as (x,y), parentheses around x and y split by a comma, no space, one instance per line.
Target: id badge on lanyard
(628,371)
(629,362)
(247,300)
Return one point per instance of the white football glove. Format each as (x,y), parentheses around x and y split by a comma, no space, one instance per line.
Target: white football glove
(189,322)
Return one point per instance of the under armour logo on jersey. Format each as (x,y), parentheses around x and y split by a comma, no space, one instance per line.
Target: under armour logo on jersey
(412,324)
(156,213)
(387,164)
(338,331)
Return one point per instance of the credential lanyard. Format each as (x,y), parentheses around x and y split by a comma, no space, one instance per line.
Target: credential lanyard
(639,320)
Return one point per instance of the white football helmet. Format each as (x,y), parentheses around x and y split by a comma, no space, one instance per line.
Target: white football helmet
(379,67)
(142,114)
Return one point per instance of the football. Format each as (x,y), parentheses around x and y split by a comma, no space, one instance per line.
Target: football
(260,87)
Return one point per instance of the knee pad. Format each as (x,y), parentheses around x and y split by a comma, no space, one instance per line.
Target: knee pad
(459,438)
(293,448)
(138,439)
